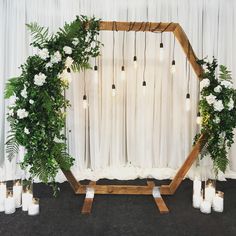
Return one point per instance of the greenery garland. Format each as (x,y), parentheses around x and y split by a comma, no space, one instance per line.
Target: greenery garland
(36,98)
(218,112)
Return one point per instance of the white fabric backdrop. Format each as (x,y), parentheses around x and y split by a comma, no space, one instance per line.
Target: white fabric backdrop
(128,136)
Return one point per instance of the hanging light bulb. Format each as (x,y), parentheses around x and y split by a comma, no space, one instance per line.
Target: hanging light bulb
(161,52)
(199,118)
(113,87)
(144,87)
(135,62)
(188,102)
(95,74)
(122,73)
(173,69)
(69,77)
(85,102)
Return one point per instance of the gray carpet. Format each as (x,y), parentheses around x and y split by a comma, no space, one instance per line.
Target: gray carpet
(122,215)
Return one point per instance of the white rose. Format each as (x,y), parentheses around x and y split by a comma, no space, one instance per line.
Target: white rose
(226,84)
(211,99)
(65,77)
(218,89)
(67,50)
(204,83)
(218,105)
(11,112)
(69,62)
(217,120)
(12,100)
(56,57)
(39,79)
(23,93)
(75,41)
(43,53)
(22,113)
(26,130)
(49,65)
(31,101)
(231,104)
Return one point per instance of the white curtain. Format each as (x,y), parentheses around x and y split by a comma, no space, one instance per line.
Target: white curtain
(130,135)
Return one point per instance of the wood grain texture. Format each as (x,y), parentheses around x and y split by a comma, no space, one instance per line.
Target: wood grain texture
(161,205)
(71,179)
(137,26)
(188,50)
(87,206)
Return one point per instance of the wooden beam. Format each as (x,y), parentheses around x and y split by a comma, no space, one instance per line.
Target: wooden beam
(137,26)
(188,50)
(161,205)
(88,202)
(185,167)
(72,180)
(122,189)
(87,206)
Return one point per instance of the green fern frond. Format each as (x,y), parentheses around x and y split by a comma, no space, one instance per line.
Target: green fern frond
(40,34)
(12,147)
(11,86)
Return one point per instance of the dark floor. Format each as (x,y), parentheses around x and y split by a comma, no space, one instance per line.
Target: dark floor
(122,215)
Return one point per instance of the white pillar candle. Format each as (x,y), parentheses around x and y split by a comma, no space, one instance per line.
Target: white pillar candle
(218,202)
(26,200)
(210,193)
(197,199)
(205,207)
(3,194)
(34,207)
(197,185)
(17,192)
(9,203)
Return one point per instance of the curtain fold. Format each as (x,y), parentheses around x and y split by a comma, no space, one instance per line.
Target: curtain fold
(131,135)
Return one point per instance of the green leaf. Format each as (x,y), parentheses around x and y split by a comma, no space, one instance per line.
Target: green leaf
(11,86)
(40,34)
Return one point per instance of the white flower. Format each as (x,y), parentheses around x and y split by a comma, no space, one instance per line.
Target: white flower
(226,84)
(11,112)
(69,62)
(31,101)
(22,113)
(43,53)
(49,65)
(204,83)
(217,120)
(26,130)
(67,50)
(218,89)
(56,57)
(12,100)
(218,105)
(65,77)
(75,41)
(39,79)
(231,104)
(222,135)
(211,99)
(23,93)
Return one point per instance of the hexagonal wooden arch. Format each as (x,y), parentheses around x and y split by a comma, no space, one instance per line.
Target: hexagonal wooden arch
(170,189)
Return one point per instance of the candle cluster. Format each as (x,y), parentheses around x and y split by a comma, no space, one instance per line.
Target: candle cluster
(207,198)
(18,196)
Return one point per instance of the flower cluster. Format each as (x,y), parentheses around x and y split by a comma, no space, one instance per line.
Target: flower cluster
(36,110)
(217,108)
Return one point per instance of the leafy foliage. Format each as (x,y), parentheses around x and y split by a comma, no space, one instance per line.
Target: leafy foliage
(37,109)
(218,112)
(39,33)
